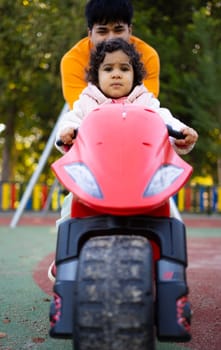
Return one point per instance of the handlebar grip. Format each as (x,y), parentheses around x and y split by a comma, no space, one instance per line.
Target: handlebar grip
(60,143)
(174,133)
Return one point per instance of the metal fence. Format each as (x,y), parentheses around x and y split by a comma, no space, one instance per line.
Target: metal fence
(190,199)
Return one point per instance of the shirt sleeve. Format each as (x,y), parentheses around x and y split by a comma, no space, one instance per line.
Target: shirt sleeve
(73,70)
(152,81)
(151,61)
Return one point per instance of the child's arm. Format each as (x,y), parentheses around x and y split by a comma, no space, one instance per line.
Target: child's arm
(72,120)
(69,122)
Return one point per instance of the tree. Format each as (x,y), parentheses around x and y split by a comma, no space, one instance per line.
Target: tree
(33,36)
(203,81)
(175,30)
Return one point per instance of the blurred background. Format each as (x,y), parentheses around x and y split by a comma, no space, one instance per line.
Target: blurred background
(35,34)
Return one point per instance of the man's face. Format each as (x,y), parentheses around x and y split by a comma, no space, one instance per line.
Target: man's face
(101,32)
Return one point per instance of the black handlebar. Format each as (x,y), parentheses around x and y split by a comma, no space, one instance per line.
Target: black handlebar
(174,133)
(60,143)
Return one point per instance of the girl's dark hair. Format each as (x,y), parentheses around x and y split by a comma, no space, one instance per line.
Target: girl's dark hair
(109,46)
(108,11)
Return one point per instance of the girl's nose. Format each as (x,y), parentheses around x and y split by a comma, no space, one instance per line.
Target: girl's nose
(116,73)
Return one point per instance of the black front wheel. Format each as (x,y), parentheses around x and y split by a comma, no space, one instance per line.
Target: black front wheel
(114,307)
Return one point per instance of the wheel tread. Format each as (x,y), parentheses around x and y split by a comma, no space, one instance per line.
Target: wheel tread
(115,295)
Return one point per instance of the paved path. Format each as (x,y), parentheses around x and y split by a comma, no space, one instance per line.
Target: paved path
(25,253)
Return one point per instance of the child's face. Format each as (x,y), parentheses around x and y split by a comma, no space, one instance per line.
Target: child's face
(116,75)
(101,32)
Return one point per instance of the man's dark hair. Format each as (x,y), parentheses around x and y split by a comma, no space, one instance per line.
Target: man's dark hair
(109,46)
(108,11)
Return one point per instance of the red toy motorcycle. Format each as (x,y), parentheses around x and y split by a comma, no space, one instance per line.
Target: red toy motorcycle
(121,258)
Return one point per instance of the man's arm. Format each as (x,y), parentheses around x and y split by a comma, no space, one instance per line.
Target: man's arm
(151,61)
(152,81)
(72,79)
(73,66)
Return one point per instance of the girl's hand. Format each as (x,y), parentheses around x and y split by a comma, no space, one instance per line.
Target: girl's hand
(66,136)
(190,139)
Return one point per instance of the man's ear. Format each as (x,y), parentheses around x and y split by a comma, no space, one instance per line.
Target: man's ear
(89,32)
(130,29)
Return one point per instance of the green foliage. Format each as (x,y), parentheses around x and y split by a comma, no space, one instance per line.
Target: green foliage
(190,77)
(34,35)
(203,81)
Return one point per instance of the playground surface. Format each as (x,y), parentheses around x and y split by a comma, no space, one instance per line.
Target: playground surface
(27,250)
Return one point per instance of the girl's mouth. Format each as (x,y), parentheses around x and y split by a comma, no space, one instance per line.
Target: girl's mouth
(116,85)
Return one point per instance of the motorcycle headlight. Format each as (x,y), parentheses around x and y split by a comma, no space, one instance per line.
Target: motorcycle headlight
(83,177)
(162,179)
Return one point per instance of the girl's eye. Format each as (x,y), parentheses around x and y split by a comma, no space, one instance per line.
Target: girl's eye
(107,69)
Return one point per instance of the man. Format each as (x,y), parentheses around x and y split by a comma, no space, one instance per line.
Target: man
(105,19)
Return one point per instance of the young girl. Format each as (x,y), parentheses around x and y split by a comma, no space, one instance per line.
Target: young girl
(115,75)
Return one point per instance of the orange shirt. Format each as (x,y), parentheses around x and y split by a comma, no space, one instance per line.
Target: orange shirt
(75,61)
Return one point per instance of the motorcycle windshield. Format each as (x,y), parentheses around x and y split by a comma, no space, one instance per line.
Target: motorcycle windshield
(122,161)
